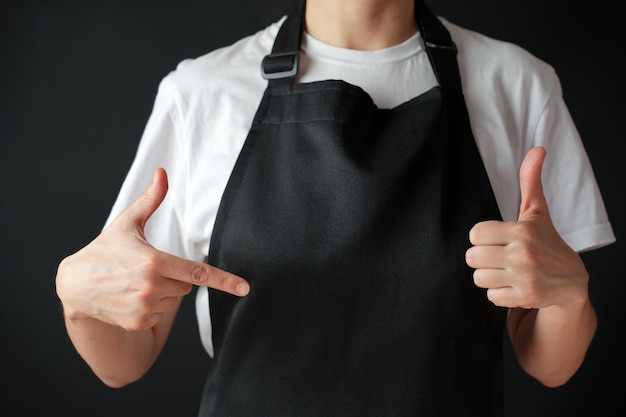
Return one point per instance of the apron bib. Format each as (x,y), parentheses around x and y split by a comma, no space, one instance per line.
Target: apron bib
(351,224)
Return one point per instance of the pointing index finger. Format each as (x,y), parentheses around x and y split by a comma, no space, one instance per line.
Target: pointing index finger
(204,275)
(209,276)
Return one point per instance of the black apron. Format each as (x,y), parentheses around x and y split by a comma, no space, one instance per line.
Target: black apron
(351,224)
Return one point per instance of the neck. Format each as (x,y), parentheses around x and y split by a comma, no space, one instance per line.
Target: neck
(361,24)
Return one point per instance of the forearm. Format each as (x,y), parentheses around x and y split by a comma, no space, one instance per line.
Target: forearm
(551,343)
(117,356)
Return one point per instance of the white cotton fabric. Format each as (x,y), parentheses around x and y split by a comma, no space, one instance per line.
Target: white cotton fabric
(204,108)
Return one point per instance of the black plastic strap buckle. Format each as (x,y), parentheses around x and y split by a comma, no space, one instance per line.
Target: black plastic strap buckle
(283,65)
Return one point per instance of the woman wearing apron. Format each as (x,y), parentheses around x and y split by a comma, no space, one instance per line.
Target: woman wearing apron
(352,286)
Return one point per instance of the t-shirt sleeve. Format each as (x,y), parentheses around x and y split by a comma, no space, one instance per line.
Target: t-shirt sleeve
(161,145)
(574,200)
(515,102)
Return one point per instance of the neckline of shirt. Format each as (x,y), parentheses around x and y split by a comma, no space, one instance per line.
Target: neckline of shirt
(318,50)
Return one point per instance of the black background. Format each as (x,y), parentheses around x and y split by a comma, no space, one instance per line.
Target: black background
(77,82)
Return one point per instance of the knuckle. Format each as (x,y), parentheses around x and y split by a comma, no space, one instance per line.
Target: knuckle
(492,296)
(151,263)
(223,281)
(144,295)
(179,288)
(525,255)
(142,316)
(477,277)
(525,232)
(470,256)
(143,286)
(476,232)
(473,234)
(200,274)
(186,288)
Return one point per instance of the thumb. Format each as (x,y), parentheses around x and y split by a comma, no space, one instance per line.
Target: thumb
(533,199)
(142,209)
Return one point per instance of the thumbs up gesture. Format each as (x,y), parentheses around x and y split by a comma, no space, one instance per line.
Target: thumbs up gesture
(122,280)
(526,263)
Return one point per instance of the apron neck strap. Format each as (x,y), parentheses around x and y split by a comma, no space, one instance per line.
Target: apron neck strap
(440,47)
(281,66)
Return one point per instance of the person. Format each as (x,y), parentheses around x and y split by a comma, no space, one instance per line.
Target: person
(366,197)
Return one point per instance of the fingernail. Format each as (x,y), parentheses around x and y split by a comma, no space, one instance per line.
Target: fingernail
(242,289)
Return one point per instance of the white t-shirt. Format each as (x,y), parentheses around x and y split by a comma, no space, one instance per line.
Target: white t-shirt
(204,109)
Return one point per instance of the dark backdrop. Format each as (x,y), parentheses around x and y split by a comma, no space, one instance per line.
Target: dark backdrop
(77,81)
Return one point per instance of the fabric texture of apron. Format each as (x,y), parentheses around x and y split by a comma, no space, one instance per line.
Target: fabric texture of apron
(351,224)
